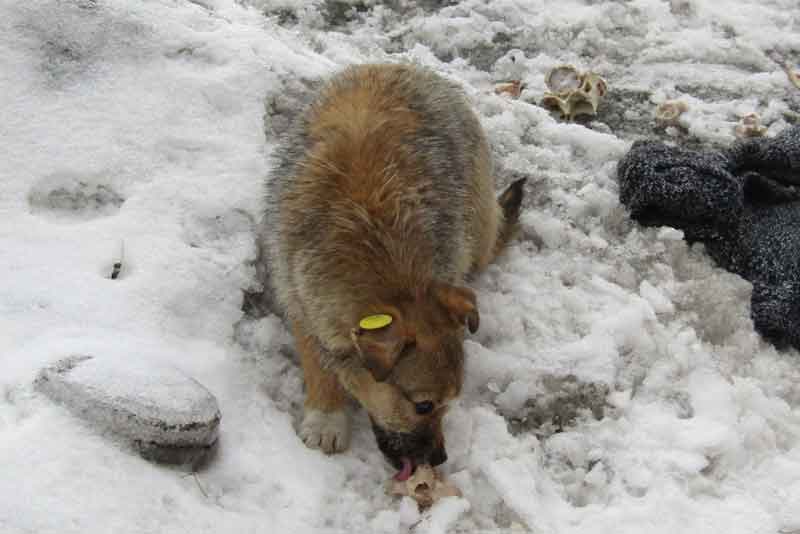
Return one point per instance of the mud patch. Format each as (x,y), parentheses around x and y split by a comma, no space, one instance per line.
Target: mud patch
(553,403)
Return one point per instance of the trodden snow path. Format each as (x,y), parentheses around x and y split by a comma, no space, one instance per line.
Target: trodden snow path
(134,130)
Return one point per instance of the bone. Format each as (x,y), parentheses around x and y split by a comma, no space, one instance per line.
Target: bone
(573,93)
(750,126)
(562,80)
(425,486)
(670,111)
(512,89)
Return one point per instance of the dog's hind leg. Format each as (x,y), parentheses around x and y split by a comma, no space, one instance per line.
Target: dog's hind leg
(326,423)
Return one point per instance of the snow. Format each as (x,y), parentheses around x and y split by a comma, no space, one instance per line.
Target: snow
(134,130)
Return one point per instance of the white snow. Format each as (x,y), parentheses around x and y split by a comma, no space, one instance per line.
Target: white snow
(137,126)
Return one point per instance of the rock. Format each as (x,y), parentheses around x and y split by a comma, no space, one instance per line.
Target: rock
(167,416)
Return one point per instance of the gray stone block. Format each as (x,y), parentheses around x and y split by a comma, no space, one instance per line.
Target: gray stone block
(167,416)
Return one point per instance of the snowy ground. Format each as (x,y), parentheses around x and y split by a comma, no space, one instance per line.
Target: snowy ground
(141,122)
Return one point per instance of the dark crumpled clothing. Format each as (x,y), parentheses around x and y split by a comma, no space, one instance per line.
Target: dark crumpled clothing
(743,203)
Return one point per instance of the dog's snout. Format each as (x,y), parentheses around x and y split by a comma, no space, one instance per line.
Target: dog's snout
(420,447)
(438,457)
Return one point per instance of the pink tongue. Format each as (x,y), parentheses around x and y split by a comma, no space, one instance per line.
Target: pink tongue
(405,471)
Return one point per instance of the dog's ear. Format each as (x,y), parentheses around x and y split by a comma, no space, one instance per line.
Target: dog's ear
(379,339)
(460,303)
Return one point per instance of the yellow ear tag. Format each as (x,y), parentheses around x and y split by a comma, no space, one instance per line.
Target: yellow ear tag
(374,322)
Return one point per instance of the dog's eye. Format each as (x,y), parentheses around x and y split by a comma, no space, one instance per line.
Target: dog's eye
(423,407)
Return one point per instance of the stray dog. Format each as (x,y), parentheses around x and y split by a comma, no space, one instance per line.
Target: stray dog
(380,203)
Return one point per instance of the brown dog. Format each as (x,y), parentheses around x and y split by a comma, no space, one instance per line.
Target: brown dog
(381,201)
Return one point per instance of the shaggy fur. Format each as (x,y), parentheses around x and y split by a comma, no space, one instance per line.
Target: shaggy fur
(381,200)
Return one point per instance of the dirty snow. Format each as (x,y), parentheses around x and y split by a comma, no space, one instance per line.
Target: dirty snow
(616,384)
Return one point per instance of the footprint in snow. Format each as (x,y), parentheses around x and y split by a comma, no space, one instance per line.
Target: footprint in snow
(73,197)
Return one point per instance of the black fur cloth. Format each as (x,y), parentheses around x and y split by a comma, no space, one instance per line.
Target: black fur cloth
(743,203)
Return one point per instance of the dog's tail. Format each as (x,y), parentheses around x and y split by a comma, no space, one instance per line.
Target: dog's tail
(510,203)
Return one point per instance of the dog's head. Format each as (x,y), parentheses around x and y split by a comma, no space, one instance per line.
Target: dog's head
(413,366)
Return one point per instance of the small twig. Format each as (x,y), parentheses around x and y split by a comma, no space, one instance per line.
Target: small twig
(199,486)
(193,474)
(118,264)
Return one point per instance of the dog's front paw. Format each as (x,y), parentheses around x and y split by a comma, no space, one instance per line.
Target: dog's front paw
(327,431)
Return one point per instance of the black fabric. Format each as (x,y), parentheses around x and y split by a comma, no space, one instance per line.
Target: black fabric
(743,203)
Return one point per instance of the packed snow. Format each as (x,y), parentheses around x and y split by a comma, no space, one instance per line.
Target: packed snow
(616,384)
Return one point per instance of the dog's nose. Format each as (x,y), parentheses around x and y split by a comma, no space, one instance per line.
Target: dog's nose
(438,457)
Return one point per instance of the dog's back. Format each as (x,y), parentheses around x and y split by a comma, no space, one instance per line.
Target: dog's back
(382,186)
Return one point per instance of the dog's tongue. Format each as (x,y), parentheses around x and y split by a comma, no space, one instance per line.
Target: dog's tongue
(405,471)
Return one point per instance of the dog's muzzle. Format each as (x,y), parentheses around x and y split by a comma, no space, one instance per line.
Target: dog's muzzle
(420,447)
